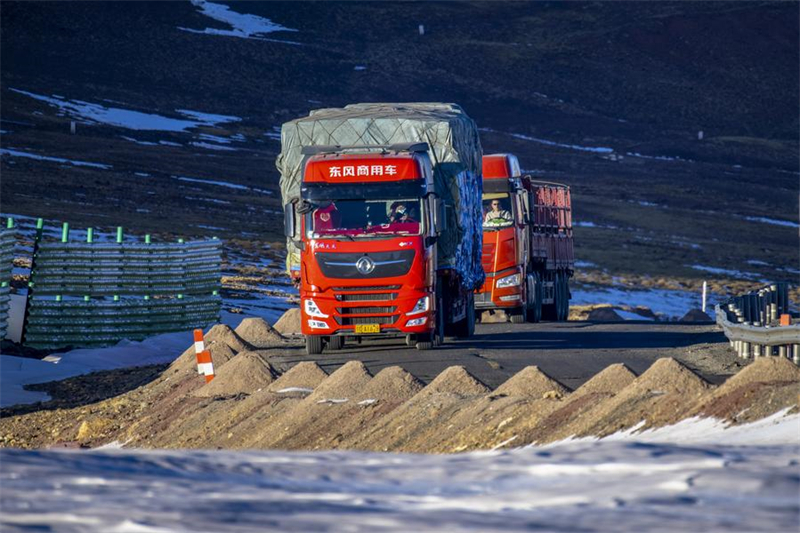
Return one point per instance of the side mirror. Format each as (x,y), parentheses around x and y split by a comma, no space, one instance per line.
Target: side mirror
(289,222)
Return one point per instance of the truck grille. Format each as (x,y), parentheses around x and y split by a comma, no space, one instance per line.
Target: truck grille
(376,294)
(365,310)
(383,264)
(355,320)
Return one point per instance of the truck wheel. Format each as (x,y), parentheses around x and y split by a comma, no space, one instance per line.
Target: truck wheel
(566,298)
(335,343)
(427,344)
(559,286)
(549,310)
(437,336)
(465,328)
(516,316)
(313,344)
(539,296)
(410,340)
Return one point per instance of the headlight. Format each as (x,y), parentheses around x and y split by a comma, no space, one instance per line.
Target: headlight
(509,281)
(312,309)
(417,322)
(422,305)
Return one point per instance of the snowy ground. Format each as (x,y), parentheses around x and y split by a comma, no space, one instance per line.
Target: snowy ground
(676,479)
(665,302)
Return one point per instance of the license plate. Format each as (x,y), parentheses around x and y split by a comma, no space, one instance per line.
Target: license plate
(368,328)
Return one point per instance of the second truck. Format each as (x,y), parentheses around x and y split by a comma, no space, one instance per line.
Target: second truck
(528,253)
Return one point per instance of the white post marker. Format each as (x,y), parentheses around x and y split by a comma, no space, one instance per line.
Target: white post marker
(705,290)
(422,29)
(199,347)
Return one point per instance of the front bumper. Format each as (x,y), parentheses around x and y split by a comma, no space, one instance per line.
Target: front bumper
(352,309)
(491,297)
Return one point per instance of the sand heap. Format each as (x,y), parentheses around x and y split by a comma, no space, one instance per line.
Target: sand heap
(289,323)
(564,420)
(346,382)
(305,376)
(658,397)
(391,384)
(453,380)
(257,333)
(696,315)
(246,373)
(604,314)
(611,380)
(415,420)
(768,385)
(531,382)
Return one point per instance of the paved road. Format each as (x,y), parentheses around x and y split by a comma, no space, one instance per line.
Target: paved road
(571,352)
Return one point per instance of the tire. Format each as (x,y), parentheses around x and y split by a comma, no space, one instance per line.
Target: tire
(410,340)
(313,344)
(426,345)
(549,310)
(566,298)
(438,333)
(335,343)
(538,295)
(465,328)
(560,299)
(516,316)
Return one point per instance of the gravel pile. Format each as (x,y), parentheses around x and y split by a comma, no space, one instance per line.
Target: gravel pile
(257,333)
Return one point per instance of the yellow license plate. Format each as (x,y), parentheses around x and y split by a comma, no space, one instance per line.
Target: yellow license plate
(368,328)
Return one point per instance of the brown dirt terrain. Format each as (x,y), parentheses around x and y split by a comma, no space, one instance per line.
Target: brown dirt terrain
(250,404)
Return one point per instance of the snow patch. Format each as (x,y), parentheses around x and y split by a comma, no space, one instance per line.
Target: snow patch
(244,26)
(773,221)
(90,113)
(669,303)
(28,155)
(593,149)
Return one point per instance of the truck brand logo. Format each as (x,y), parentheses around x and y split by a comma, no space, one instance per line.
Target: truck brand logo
(405,243)
(362,170)
(365,265)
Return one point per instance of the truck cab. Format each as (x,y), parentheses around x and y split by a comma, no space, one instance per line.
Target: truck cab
(369,221)
(505,238)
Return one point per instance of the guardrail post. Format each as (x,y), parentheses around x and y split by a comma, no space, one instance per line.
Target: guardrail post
(796,355)
(782,351)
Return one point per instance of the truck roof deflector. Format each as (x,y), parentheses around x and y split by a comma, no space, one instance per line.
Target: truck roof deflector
(385,148)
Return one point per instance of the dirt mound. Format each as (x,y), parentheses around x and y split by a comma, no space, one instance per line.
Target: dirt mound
(763,388)
(454,380)
(289,322)
(349,380)
(604,314)
(611,380)
(246,373)
(533,383)
(223,333)
(667,375)
(763,370)
(392,383)
(696,315)
(305,375)
(257,333)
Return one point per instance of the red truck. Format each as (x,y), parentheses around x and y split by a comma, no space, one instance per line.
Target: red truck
(370,222)
(528,253)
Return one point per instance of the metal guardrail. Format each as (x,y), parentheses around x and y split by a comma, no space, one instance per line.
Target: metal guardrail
(752,324)
(6,262)
(98,293)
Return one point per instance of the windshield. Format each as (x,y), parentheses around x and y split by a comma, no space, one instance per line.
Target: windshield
(497,211)
(364,218)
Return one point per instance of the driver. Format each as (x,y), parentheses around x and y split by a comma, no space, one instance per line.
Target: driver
(398,212)
(496,215)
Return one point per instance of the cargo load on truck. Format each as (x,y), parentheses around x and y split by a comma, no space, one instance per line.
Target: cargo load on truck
(454,151)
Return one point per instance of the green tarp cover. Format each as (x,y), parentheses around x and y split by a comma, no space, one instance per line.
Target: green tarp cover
(455,152)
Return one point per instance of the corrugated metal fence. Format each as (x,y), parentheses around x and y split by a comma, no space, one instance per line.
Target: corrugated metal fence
(6,259)
(98,293)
